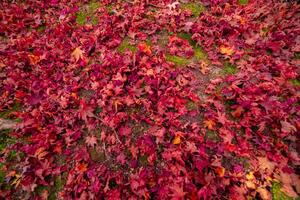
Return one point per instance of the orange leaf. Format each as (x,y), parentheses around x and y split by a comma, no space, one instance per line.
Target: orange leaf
(33,59)
(143,47)
(220,171)
(226,50)
(177,139)
(40,153)
(238,112)
(203,67)
(209,124)
(82,167)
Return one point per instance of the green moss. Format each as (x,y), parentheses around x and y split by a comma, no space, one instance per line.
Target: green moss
(229,69)
(93,6)
(212,135)
(143,160)
(191,105)
(59,183)
(188,37)
(5,139)
(98,110)
(2,174)
(125,45)
(277,194)
(40,189)
(109,9)
(94,20)
(177,60)
(41,28)
(295,82)
(6,114)
(87,12)
(12,155)
(81,17)
(97,156)
(297,55)
(200,54)
(195,8)
(243,2)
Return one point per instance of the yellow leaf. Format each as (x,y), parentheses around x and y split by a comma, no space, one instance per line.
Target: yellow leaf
(250,176)
(177,140)
(250,185)
(226,50)
(17,180)
(77,54)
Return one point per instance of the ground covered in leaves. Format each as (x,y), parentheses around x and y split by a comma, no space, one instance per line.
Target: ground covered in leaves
(153,99)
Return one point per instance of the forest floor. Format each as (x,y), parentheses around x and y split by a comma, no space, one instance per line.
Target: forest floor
(153,99)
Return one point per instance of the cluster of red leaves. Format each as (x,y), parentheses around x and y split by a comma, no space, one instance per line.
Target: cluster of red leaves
(117,126)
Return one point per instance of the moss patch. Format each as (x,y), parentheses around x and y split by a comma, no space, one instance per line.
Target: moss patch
(125,45)
(5,139)
(277,194)
(2,174)
(188,37)
(143,160)
(229,69)
(212,135)
(297,56)
(199,53)
(7,113)
(177,60)
(195,8)
(191,105)
(87,14)
(295,82)
(97,156)
(243,2)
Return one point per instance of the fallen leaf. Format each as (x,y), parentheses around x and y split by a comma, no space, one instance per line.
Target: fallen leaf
(226,50)
(143,47)
(287,127)
(238,112)
(203,67)
(176,140)
(77,54)
(220,171)
(33,59)
(91,141)
(81,167)
(210,124)
(264,193)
